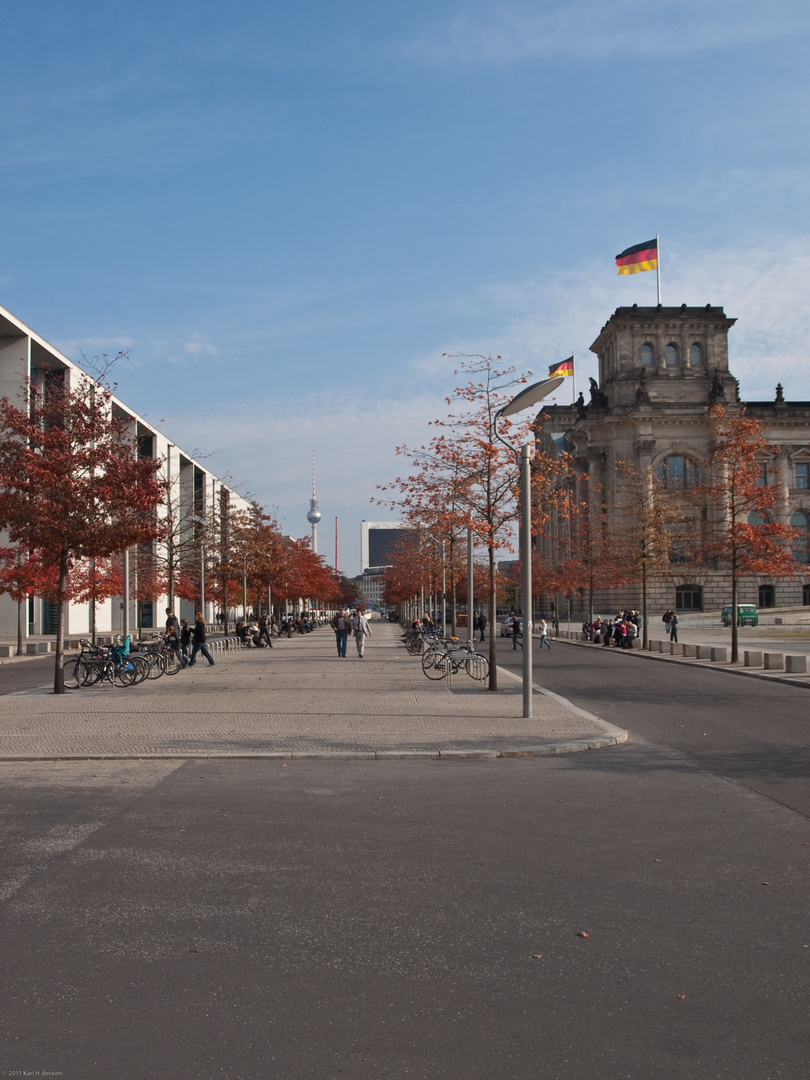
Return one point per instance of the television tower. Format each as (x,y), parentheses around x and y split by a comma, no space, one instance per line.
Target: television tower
(314,515)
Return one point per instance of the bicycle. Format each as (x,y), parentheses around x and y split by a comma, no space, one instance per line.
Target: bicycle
(450,656)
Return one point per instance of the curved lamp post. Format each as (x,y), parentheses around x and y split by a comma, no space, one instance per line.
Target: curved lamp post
(524,400)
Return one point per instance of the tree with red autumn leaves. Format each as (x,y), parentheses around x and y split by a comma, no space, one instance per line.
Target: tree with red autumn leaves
(484,469)
(739,536)
(72,485)
(432,500)
(23,574)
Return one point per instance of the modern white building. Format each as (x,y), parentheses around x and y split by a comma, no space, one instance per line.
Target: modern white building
(195,495)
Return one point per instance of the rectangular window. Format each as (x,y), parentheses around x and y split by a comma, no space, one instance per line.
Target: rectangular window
(762,475)
(803,474)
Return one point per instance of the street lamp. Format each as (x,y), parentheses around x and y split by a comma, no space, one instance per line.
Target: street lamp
(524,400)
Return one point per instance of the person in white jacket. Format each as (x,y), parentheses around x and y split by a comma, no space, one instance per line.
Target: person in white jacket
(361,630)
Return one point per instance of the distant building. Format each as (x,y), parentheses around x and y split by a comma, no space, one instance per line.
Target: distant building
(660,369)
(372,584)
(378,542)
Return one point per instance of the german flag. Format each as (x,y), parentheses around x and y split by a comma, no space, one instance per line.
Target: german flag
(640,257)
(565,367)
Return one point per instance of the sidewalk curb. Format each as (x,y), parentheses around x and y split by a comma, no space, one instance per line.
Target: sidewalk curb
(704,665)
(549,750)
(613,735)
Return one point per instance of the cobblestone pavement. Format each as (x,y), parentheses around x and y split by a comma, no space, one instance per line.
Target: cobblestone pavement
(298,700)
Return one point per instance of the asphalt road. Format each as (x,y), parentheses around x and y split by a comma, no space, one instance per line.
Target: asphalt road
(622,914)
(752,732)
(594,917)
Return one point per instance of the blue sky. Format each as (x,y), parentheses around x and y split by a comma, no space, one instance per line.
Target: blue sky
(288,213)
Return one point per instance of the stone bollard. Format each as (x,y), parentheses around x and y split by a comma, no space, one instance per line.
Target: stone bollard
(689,650)
(752,658)
(6,650)
(676,648)
(636,644)
(719,654)
(704,652)
(796,665)
(662,646)
(774,661)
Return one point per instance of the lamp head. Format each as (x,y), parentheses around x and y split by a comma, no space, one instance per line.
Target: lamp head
(531,395)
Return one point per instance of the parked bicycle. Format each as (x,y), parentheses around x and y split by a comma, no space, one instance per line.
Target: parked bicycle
(448,656)
(96,663)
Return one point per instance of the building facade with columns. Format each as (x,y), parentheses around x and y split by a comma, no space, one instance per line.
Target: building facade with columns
(660,369)
(195,497)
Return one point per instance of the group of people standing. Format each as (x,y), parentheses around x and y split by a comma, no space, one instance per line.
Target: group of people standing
(354,622)
(179,636)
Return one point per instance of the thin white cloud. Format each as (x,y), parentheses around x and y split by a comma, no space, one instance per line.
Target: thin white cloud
(508,32)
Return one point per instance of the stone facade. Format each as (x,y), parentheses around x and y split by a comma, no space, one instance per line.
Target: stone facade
(660,369)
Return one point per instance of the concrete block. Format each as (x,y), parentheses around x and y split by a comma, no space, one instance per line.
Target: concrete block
(796,665)
(752,658)
(774,661)
(31,648)
(689,650)
(676,648)
(719,654)
(704,652)
(636,643)
(7,650)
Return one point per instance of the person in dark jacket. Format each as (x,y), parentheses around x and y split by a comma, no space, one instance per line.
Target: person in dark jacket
(185,640)
(198,642)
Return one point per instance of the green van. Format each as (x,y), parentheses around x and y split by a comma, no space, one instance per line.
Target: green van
(747,615)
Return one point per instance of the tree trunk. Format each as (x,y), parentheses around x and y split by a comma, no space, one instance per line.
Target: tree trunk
(20,605)
(58,674)
(735,654)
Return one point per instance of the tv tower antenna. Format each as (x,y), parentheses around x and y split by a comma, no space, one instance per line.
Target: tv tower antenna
(314,515)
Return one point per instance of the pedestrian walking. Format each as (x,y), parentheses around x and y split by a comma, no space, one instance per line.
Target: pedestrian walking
(198,640)
(185,640)
(673,627)
(517,633)
(340,624)
(264,630)
(173,635)
(361,630)
(482,626)
(544,635)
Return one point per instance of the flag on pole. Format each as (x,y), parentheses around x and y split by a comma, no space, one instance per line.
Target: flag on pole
(565,367)
(640,257)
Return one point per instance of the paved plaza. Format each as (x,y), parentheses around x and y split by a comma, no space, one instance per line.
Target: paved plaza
(299,700)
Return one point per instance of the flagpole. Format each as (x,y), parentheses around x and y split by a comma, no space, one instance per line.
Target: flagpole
(574,375)
(658,266)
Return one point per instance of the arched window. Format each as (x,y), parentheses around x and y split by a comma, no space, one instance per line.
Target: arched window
(801,542)
(672,355)
(677,473)
(647,356)
(695,355)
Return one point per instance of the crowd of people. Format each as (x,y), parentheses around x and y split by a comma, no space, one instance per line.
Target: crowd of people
(619,632)
(624,629)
